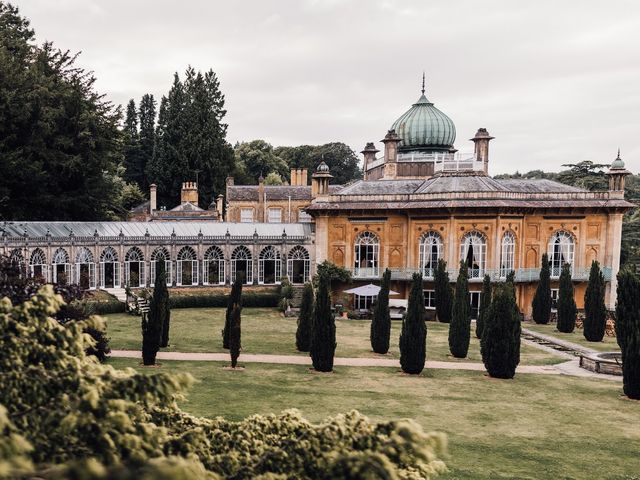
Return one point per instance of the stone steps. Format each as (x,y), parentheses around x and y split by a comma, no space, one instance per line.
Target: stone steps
(119,293)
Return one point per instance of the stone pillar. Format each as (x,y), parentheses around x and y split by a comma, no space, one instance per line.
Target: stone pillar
(322,239)
(153,198)
(452,253)
(391,141)
(481,141)
(261,200)
(612,255)
(369,153)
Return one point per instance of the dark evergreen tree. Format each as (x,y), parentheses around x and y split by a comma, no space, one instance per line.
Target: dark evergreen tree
(628,330)
(460,328)
(443,293)
(132,171)
(595,311)
(147,136)
(234,335)
(323,338)
(381,322)
(485,302)
(305,319)
(542,299)
(500,343)
(166,325)
(235,299)
(566,304)
(413,337)
(153,322)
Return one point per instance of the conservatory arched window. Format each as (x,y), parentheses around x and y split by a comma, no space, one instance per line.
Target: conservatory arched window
(38,265)
(134,271)
(367,255)
(187,267)
(213,267)
(85,268)
(109,269)
(473,251)
(242,265)
(269,266)
(161,253)
(507,254)
(561,248)
(61,267)
(430,253)
(298,265)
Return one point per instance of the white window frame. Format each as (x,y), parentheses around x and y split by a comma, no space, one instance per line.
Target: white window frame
(85,257)
(60,257)
(430,299)
(477,242)
(242,254)
(363,302)
(109,256)
(507,254)
(187,256)
(274,215)
(213,255)
(134,255)
(430,252)
(168,266)
(298,254)
(561,240)
(269,254)
(39,259)
(366,261)
(246,215)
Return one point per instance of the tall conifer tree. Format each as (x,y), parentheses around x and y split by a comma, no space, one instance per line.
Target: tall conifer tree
(567,310)
(413,337)
(460,328)
(305,319)
(542,299)
(147,135)
(628,330)
(443,292)
(595,311)
(381,322)
(485,302)
(235,334)
(323,338)
(235,299)
(154,321)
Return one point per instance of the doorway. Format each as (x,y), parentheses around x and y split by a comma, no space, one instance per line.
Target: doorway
(475,304)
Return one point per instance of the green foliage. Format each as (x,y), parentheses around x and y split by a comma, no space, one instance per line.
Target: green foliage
(413,337)
(567,310)
(286,294)
(460,328)
(147,137)
(219,300)
(323,328)
(628,330)
(595,311)
(381,322)
(273,179)
(235,335)
(443,292)
(305,320)
(541,304)
(485,302)
(153,322)
(235,300)
(500,343)
(256,158)
(166,325)
(333,272)
(134,170)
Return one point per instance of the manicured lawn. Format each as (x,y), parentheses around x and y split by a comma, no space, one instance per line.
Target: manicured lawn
(608,344)
(264,330)
(532,427)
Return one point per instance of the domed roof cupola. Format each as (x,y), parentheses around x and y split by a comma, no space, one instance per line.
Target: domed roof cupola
(424,128)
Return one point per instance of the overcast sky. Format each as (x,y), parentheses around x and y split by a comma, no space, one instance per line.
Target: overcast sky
(554,81)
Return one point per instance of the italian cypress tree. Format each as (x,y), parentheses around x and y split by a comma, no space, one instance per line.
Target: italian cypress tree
(485,302)
(166,321)
(595,311)
(460,328)
(323,337)
(381,322)
(500,343)
(147,136)
(131,151)
(235,299)
(152,324)
(566,304)
(413,337)
(443,293)
(305,319)
(628,331)
(542,298)
(234,335)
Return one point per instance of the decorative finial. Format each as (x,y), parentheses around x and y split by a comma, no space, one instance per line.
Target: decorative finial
(423,75)
(618,158)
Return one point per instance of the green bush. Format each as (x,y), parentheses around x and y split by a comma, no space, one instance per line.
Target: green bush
(305,319)
(567,310)
(628,330)
(542,299)
(595,311)
(460,328)
(413,336)
(105,308)
(219,300)
(323,329)
(485,302)
(381,322)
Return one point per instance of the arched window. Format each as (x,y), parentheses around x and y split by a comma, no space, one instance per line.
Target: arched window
(473,251)
(367,255)
(561,248)
(38,265)
(85,268)
(298,265)
(109,269)
(242,265)
(213,267)
(158,254)
(430,252)
(507,254)
(134,271)
(61,267)
(269,266)
(187,267)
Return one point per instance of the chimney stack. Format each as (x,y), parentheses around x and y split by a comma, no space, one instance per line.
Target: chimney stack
(294,177)
(481,141)
(261,199)
(189,193)
(219,207)
(369,153)
(153,198)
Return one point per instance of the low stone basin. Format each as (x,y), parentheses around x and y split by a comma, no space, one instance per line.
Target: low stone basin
(604,362)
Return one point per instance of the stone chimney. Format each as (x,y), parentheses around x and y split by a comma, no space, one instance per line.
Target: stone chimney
(230,182)
(391,141)
(481,149)
(369,153)
(261,199)
(189,193)
(298,177)
(219,207)
(294,177)
(153,198)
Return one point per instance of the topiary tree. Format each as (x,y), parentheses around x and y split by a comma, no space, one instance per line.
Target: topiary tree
(567,310)
(595,311)
(628,330)
(235,298)
(166,316)
(234,335)
(460,328)
(485,301)
(153,322)
(381,322)
(413,337)
(323,337)
(542,299)
(500,343)
(305,319)
(443,293)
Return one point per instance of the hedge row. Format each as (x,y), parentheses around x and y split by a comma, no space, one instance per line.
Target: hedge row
(249,299)
(104,308)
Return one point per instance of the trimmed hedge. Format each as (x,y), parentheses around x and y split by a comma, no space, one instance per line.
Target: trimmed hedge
(249,299)
(104,308)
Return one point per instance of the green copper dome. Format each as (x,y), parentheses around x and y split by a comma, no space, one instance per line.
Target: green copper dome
(617,164)
(425,128)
